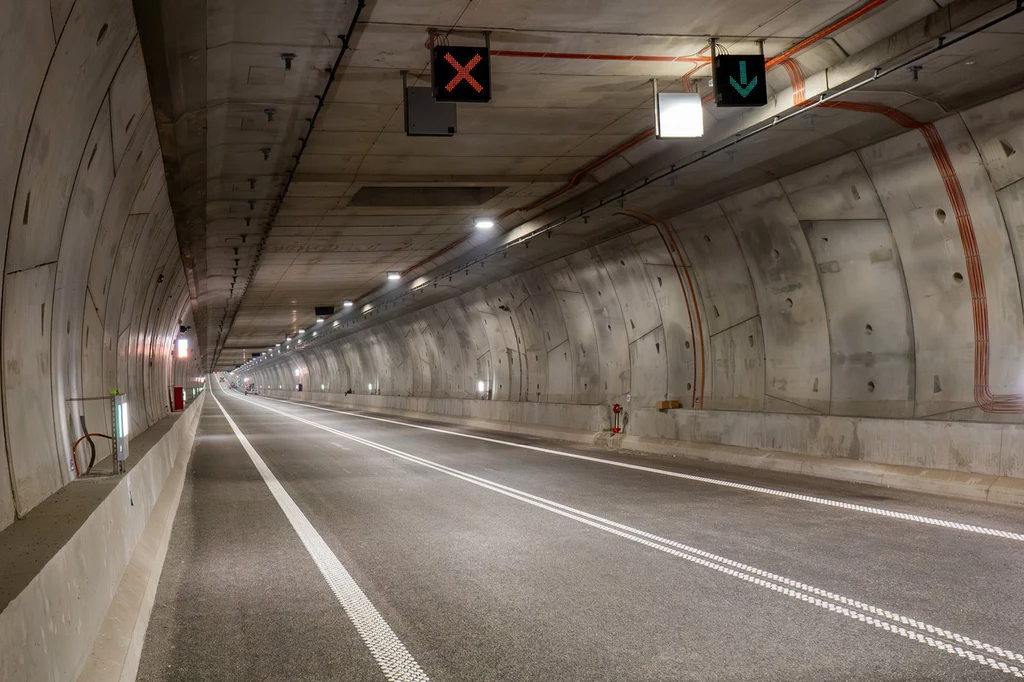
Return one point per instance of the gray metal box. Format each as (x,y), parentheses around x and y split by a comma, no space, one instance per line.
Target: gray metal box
(424,116)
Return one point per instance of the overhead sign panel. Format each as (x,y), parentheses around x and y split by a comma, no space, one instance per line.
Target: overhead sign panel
(740,81)
(461,74)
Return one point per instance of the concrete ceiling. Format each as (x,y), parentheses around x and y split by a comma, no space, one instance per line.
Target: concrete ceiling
(308,243)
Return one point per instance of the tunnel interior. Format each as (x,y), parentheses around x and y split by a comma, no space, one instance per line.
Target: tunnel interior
(212,193)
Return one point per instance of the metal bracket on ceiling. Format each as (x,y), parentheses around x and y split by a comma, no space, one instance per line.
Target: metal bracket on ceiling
(915,71)
(288,57)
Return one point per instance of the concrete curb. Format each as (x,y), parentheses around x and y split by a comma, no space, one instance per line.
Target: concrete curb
(56,625)
(117,651)
(976,487)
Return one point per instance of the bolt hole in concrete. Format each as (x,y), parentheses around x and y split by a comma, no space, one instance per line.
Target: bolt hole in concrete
(103,32)
(871,387)
(687,344)
(789,302)
(707,239)
(775,252)
(940,215)
(958,278)
(868,329)
(689,387)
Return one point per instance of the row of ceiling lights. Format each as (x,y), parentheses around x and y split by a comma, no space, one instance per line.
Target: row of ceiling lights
(480,223)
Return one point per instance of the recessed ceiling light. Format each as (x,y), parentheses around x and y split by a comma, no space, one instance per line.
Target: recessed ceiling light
(348,304)
(319,320)
(394,275)
(483,223)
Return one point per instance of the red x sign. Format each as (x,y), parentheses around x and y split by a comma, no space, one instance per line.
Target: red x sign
(460,73)
(464,72)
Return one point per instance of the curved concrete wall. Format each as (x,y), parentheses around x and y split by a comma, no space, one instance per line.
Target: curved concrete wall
(843,290)
(93,287)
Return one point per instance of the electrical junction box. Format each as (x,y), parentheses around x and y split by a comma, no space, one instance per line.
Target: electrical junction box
(426,117)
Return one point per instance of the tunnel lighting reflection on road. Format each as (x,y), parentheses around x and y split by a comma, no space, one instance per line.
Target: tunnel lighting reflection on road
(679,114)
(483,223)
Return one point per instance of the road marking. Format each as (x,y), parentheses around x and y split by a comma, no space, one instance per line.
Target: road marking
(394,659)
(914,630)
(849,506)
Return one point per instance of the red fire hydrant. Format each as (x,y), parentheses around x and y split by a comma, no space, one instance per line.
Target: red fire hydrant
(616,410)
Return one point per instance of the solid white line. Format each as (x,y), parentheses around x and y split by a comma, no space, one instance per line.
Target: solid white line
(849,506)
(394,659)
(909,628)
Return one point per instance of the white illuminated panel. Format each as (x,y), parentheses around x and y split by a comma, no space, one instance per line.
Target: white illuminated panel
(183,348)
(679,114)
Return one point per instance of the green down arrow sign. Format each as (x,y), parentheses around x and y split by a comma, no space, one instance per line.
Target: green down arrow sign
(740,81)
(743,87)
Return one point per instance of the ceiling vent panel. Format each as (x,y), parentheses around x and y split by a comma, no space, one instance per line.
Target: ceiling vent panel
(431,195)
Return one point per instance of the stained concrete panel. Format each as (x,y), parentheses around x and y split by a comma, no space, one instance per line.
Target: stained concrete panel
(836,190)
(609,324)
(129,99)
(92,184)
(737,374)
(91,47)
(582,348)
(869,318)
(635,294)
(997,130)
(36,471)
(647,369)
(727,292)
(797,363)
(685,349)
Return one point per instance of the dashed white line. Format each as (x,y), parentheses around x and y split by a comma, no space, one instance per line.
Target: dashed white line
(839,504)
(967,648)
(394,659)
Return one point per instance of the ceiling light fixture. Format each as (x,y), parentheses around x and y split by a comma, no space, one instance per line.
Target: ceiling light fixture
(483,223)
(319,320)
(348,304)
(679,114)
(394,275)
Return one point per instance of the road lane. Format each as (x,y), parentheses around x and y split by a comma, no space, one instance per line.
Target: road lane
(434,550)
(943,576)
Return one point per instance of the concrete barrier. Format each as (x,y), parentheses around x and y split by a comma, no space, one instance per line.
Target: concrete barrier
(48,631)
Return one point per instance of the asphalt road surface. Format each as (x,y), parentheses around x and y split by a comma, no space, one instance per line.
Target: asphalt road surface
(317,544)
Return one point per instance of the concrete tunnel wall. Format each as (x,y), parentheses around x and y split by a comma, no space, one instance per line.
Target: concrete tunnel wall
(835,316)
(93,287)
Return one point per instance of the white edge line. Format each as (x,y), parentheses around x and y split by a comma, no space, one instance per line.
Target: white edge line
(394,659)
(883,619)
(849,506)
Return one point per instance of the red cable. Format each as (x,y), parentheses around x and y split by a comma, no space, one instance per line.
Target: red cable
(74,449)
